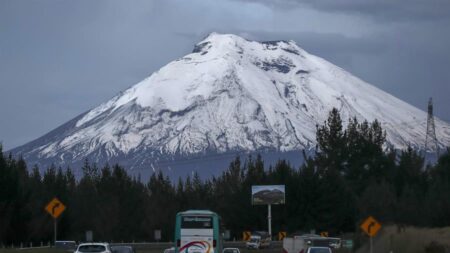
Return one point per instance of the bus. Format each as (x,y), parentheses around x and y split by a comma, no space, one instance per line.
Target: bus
(198,231)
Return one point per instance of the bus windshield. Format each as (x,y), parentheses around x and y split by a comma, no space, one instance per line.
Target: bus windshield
(196,222)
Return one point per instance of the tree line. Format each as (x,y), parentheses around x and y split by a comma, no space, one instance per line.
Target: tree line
(352,175)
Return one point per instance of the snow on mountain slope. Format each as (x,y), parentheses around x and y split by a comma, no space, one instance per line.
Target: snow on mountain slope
(229,94)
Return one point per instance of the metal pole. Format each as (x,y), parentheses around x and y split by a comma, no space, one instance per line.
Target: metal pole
(54,228)
(371,244)
(269,219)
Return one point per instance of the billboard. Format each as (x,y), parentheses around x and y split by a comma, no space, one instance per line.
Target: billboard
(268,194)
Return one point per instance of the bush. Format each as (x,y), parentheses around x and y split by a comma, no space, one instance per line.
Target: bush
(435,247)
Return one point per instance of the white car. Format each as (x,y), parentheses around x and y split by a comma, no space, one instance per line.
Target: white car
(231,250)
(170,250)
(318,250)
(94,248)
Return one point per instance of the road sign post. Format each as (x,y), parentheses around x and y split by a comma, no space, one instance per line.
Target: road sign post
(55,209)
(371,227)
(269,219)
(55,229)
(371,244)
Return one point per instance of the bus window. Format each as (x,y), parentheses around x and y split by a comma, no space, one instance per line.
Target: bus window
(196,222)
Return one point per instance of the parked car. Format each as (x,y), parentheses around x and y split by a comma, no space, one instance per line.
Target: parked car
(122,249)
(335,243)
(318,250)
(231,250)
(94,248)
(258,240)
(66,245)
(170,250)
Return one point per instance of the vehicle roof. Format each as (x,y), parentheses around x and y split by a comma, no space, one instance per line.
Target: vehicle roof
(310,235)
(204,212)
(260,233)
(94,243)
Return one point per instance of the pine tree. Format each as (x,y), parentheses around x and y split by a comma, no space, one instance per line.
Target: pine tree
(409,171)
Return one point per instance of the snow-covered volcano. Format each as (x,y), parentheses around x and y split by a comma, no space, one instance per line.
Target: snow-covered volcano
(229,94)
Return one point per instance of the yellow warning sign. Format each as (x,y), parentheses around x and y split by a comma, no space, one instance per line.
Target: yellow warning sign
(370,226)
(55,208)
(281,236)
(246,235)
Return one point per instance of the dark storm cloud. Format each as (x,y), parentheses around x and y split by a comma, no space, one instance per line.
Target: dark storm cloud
(61,58)
(387,10)
(411,65)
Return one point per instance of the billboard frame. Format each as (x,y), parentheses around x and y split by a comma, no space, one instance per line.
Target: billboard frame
(266,192)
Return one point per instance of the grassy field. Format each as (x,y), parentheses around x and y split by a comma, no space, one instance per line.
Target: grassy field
(411,240)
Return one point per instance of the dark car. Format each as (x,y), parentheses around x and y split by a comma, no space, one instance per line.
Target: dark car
(122,249)
(66,245)
(231,250)
(319,250)
(170,250)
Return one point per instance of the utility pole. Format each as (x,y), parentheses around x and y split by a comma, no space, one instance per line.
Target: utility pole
(269,219)
(431,143)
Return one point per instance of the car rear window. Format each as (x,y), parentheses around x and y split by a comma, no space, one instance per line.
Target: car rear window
(231,251)
(119,249)
(196,222)
(92,248)
(320,250)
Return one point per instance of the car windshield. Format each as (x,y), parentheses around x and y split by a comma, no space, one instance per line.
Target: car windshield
(91,248)
(254,240)
(319,250)
(65,244)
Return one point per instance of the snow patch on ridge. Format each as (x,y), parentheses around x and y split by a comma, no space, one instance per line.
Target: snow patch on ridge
(235,94)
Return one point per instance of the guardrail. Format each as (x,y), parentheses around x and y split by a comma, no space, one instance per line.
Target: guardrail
(25,246)
(165,245)
(139,245)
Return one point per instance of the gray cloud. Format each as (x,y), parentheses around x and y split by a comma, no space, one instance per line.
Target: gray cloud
(381,10)
(61,58)
(406,65)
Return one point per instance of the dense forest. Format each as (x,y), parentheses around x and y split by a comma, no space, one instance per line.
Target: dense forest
(352,175)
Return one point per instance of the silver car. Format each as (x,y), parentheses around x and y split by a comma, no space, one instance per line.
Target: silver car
(94,248)
(231,250)
(318,250)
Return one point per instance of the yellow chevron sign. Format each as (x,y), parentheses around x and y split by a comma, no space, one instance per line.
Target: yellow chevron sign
(281,236)
(55,208)
(370,226)
(324,234)
(246,235)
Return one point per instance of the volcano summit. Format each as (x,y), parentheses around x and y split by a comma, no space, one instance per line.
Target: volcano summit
(229,95)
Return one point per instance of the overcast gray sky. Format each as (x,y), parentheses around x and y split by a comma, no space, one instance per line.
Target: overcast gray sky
(61,58)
